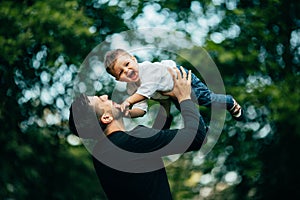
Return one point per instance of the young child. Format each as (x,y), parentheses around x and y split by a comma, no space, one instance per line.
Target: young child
(149,80)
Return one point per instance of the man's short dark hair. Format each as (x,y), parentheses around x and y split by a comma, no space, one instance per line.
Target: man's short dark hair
(83,121)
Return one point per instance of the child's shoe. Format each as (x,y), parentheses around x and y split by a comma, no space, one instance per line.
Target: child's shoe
(236,111)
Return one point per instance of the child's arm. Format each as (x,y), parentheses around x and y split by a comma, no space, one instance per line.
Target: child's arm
(136,112)
(135,98)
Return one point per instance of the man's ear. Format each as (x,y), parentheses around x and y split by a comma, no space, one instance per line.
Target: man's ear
(106,118)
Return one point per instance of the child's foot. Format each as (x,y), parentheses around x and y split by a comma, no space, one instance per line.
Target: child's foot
(236,111)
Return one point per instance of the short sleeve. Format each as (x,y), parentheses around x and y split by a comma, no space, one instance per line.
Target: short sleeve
(168,63)
(143,105)
(151,76)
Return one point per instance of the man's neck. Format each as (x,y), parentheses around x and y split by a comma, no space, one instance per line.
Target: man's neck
(114,127)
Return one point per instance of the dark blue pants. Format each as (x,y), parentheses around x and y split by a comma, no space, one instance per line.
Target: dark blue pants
(206,97)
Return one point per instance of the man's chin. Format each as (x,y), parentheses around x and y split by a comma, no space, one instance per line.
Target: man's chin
(118,114)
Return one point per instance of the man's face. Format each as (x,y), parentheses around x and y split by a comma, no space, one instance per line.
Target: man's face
(102,104)
(126,69)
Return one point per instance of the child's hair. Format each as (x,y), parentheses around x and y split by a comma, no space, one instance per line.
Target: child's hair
(111,57)
(83,119)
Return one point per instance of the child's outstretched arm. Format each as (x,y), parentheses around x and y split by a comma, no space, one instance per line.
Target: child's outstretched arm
(135,112)
(135,98)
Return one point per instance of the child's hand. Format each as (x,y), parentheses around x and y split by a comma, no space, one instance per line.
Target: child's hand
(127,111)
(125,107)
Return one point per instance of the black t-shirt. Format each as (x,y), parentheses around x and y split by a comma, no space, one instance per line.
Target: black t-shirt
(131,166)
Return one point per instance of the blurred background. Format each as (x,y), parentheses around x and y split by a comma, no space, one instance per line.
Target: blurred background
(255,45)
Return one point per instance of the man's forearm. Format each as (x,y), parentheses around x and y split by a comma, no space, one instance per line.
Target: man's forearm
(193,123)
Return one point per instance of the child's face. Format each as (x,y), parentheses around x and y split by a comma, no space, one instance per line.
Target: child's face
(126,69)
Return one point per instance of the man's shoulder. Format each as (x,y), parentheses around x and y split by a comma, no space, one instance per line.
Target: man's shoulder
(119,135)
(142,131)
(138,128)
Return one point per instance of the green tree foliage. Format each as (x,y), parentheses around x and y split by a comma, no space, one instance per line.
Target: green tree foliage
(256,47)
(264,58)
(42,45)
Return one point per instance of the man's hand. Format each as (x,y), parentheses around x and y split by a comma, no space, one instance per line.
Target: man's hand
(182,84)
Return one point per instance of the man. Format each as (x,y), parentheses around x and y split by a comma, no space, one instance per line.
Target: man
(129,164)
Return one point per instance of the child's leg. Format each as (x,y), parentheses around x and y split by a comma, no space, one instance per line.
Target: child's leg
(206,97)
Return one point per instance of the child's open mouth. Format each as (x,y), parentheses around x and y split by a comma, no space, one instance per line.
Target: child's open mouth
(132,74)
